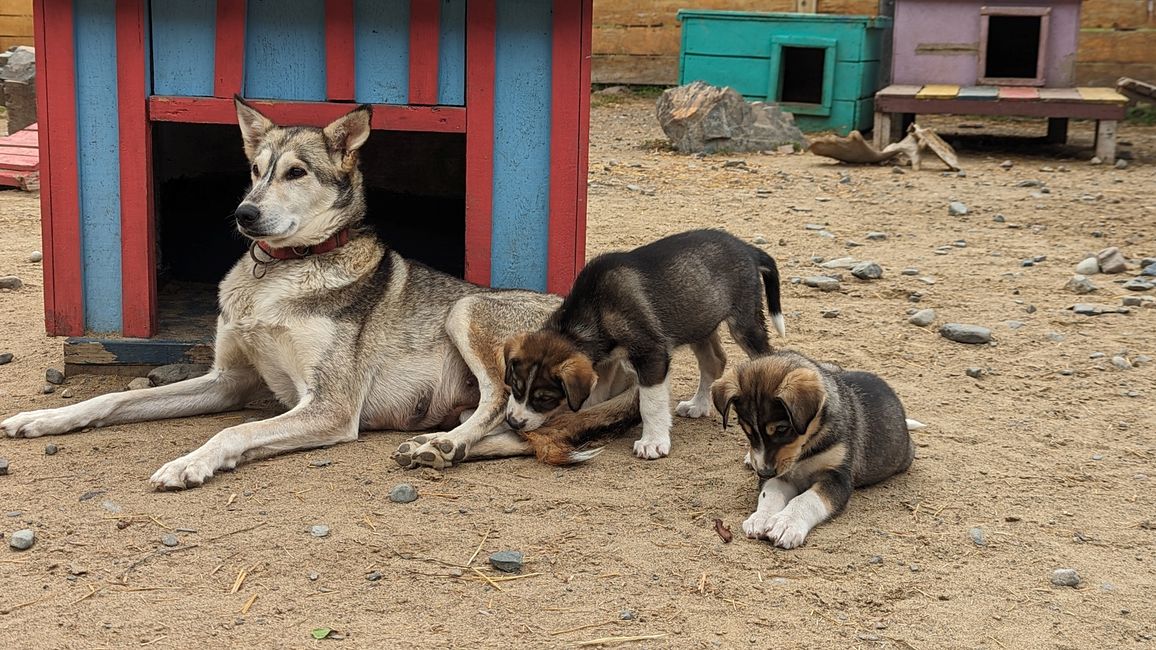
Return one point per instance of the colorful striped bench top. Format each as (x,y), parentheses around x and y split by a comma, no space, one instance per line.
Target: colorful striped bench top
(932,92)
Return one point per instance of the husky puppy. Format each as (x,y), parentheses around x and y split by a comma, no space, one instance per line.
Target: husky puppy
(816,431)
(637,307)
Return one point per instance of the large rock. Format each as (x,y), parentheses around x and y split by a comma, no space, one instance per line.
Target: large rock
(175,372)
(1111,260)
(18,64)
(18,77)
(701,118)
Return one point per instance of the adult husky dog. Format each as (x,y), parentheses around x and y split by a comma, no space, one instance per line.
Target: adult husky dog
(344,332)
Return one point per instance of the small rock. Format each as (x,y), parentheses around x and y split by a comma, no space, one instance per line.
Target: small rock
(170,540)
(959,243)
(1121,164)
(627,615)
(403,493)
(1086,309)
(1121,362)
(915,568)
(875,559)
(22,540)
(922,318)
(909,271)
(1015,324)
(999,218)
(822,283)
(36,256)
(839,263)
(814,226)
(1111,260)
(956,209)
(830,313)
(507,561)
(963,333)
(320,462)
(54,376)
(5,358)
(91,494)
(1138,284)
(1031,182)
(759,239)
(1095,161)
(1065,578)
(1088,266)
(850,243)
(3,467)
(1097,456)
(75,569)
(175,372)
(139,383)
(319,530)
(1007,164)
(373,576)
(976,535)
(314,576)
(48,389)
(50,449)
(66,393)
(1149,270)
(876,236)
(974,373)
(867,271)
(11,282)
(1080,284)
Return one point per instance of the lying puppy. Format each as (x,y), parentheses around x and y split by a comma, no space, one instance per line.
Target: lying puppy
(634,308)
(816,431)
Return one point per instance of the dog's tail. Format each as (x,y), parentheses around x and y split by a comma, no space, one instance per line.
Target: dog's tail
(915,425)
(770,272)
(570,438)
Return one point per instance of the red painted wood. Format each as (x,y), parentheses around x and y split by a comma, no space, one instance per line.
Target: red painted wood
(229,73)
(24,180)
(27,138)
(1011,93)
(424,35)
(137,225)
(583,136)
(60,204)
(339,53)
(15,159)
(212,110)
(565,107)
(481,16)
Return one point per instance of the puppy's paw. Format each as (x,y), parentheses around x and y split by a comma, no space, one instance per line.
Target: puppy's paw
(33,424)
(756,525)
(651,448)
(785,531)
(436,451)
(692,409)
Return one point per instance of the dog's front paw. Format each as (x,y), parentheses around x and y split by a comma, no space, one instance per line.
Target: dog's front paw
(785,531)
(429,451)
(651,448)
(756,525)
(692,409)
(187,471)
(33,424)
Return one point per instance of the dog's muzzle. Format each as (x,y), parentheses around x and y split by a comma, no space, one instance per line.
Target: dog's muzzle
(767,474)
(247,215)
(514,423)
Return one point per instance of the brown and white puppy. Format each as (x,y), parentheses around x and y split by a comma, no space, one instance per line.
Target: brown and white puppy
(816,431)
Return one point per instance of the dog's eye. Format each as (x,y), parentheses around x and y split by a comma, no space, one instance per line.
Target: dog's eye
(782,430)
(254,170)
(295,173)
(545,395)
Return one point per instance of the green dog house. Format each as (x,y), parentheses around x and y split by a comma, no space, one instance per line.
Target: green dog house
(823,68)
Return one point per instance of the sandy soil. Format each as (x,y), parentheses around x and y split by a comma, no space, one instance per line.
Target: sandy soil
(1056,469)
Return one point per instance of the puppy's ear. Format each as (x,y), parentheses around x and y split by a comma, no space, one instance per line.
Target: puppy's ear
(724,392)
(578,378)
(346,134)
(254,126)
(803,396)
(510,349)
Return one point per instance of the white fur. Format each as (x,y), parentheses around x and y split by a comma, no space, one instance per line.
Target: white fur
(654,405)
(788,527)
(780,325)
(522,412)
(915,425)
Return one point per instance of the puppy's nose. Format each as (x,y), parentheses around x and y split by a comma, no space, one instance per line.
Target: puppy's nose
(514,423)
(247,214)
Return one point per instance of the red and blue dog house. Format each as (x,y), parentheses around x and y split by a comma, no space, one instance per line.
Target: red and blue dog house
(482,108)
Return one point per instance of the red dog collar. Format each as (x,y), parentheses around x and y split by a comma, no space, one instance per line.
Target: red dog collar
(338,240)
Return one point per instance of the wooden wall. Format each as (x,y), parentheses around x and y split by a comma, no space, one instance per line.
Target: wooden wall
(15,23)
(637,41)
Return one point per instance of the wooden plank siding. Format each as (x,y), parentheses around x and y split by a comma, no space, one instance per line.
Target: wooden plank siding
(15,23)
(637,41)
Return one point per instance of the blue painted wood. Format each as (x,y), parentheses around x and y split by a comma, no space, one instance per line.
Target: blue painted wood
(185,33)
(381,51)
(521,144)
(285,49)
(452,54)
(99,162)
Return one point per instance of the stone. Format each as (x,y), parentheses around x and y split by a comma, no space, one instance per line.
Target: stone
(911,270)
(876,236)
(11,282)
(18,64)
(1031,182)
(830,313)
(1065,578)
(1111,260)
(3,467)
(373,576)
(507,561)
(403,493)
(66,393)
(54,376)
(999,218)
(963,333)
(5,358)
(974,373)
(1007,164)
(1121,164)
(1086,309)
(36,256)
(314,576)
(1014,324)
(875,559)
(1095,161)
(320,462)
(699,117)
(139,383)
(175,372)
(839,263)
(822,283)
(319,530)
(959,243)
(170,540)
(22,540)
(867,271)
(759,240)
(1121,362)
(1149,270)
(1138,284)
(627,615)
(50,449)
(1080,284)
(976,535)
(922,318)
(48,389)
(956,209)
(1088,266)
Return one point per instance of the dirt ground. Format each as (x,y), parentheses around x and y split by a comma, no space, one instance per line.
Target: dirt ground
(1050,451)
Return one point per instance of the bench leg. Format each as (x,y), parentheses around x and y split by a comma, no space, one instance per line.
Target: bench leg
(1106,141)
(881,132)
(1057,130)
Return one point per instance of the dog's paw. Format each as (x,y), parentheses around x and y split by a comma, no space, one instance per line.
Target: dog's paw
(187,471)
(429,451)
(33,424)
(784,530)
(651,448)
(756,525)
(692,409)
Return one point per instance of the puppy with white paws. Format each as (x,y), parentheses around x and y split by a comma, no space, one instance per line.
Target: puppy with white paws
(816,431)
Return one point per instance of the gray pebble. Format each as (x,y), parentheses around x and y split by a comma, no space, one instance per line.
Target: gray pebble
(974,373)
(911,270)
(1007,164)
(867,271)
(830,313)
(838,263)
(50,449)
(403,493)
(5,358)
(320,462)
(914,568)
(1080,284)
(1148,270)
(22,540)
(1031,182)
(66,393)
(313,575)
(507,561)
(897,170)
(1088,266)
(875,559)
(1141,359)
(822,283)
(1111,260)
(1055,337)
(1096,355)
(54,376)
(170,540)
(914,296)
(963,333)
(11,282)
(373,576)
(876,236)
(959,243)
(759,239)
(1097,456)
(1121,362)
(1121,164)
(999,218)
(1138,284)
(1015,324)
(36,256)
(175,372)
(1065,578)
(139,383)
(1067,372)
(319,530)
(814,226)
(976,535)
(956,209)
(627,615)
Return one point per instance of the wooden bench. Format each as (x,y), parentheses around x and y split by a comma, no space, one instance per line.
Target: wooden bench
(897,105)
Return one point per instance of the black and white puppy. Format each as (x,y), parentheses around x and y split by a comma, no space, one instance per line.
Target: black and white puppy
(816,431)
(637,307)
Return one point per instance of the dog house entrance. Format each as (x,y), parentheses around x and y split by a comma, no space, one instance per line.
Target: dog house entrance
(1013,45)
(802,75)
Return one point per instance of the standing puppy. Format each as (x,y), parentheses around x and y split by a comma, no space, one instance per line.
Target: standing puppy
(816,431)
(637,307)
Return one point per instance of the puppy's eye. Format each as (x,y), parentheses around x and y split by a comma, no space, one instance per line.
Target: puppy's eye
(782,430)
(254,170)
(295,173)
(544,395)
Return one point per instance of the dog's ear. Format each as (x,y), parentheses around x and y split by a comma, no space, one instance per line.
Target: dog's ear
(578,379)
(803,396)
(510,348)
(254,125)
(724,392)
(346,134)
